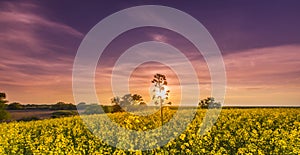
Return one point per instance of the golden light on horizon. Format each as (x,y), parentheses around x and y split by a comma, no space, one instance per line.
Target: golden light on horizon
(140,81)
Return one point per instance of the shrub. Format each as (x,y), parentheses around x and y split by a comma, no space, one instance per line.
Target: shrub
(4,115)
(63,113)
(112,109)
(97,109)
(14,106)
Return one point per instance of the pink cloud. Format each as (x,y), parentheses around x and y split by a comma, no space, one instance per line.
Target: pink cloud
(268,76)
(36,54)
(159,37)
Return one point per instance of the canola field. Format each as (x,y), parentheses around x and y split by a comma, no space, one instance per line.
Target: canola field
(236,131)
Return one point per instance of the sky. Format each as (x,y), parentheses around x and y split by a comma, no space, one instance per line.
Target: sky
(259,42)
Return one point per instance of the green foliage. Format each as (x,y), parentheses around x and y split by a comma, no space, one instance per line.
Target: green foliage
(209,102)
(81,106)
(128,100)
(2,97)
(112,109)
(63,106)
(63,113)
(116,100)
(3,113)
(98,109)
(93,109)
(143,103)
(137,99)
(3,100)
(15,106)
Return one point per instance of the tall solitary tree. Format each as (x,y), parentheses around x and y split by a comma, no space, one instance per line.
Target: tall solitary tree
(160,92)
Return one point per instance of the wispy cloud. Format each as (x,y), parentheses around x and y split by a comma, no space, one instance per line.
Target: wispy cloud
(263,76)
(36,52)
(37,55)
(159,37)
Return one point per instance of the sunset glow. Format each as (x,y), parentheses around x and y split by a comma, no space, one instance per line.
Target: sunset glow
(38,47)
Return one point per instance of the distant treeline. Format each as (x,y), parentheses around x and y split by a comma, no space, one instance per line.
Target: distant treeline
(108,108)
(57,106)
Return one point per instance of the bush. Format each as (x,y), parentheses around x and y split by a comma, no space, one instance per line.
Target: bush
(63,106)
(93,109)
(97,109)
(14,106)
(81,106)
(4,115)
(63,113)
(112,109)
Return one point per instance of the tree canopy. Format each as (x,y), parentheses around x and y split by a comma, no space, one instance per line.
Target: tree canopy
(3,113)
(160,92)
(14,106)
(128,99)
(209,102)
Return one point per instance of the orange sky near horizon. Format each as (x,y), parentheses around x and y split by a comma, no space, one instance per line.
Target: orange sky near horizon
(140,83)
(254,77)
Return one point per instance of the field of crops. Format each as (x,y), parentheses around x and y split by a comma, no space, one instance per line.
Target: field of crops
(237,131)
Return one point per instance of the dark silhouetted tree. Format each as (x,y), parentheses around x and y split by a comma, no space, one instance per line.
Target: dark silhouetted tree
(209,102)
(81,105)
(3,100)
(126,100)
(116,100)
(160,91)
(136,99)
(15,106)
(3,113)
(143,103)
(63,106)
(93,109)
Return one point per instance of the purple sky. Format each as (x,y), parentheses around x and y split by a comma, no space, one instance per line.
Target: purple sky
(260,43)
